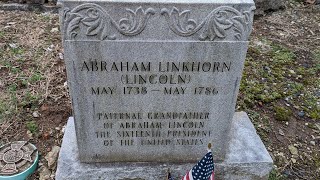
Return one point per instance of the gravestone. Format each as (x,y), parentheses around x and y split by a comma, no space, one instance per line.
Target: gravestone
(268,5)
(152,83)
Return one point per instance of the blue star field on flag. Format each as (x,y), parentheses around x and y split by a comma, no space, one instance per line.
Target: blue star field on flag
(204,167)
(204,170)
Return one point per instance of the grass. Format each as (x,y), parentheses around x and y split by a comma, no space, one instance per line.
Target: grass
(35,77)
(27,65)
(2,34)
(277,84)
(4,109)
(20,82)
(31,101)
(278,77)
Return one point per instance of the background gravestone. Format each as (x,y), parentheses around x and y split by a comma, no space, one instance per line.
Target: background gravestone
(262,5)
(268,5)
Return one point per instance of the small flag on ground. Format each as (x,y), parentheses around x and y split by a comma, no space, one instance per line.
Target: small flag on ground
(204,170)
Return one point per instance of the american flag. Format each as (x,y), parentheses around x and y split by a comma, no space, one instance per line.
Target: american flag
(204,170)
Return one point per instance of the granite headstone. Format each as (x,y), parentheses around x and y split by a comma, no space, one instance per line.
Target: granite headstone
(154,81)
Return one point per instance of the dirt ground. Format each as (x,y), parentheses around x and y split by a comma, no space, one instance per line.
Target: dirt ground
(280,88)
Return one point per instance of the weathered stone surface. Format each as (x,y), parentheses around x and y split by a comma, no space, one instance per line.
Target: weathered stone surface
(267,5)
(247,159)
(146,87)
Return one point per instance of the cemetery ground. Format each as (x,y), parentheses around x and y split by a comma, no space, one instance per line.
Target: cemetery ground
(280,88)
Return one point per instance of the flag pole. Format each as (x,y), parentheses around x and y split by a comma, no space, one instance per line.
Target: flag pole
(168,172)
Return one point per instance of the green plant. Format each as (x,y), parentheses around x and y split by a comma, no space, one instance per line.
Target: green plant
(17,51)
(2,34)
(3,109)
(36,77)
(45,17)
(282,114)
(282,55)
(316,159)
(32,126)
(316,55)
(315,114)
(29,100)
(274,175)
(12,88)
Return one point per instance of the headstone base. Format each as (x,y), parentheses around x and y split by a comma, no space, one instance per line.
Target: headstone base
(247,159)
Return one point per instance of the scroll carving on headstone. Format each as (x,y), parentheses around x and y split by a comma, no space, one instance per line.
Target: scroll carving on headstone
(98,21)
(215,25)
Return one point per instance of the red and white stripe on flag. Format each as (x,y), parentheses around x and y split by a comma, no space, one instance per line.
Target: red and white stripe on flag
(212,176)
(189,176)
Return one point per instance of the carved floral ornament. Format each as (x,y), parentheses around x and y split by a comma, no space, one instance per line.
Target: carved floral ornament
(215,25)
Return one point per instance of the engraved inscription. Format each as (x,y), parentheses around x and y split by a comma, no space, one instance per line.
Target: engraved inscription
(96,65)
(162,73)
(170,128)
(13,156)
(168,78)
(102,90)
